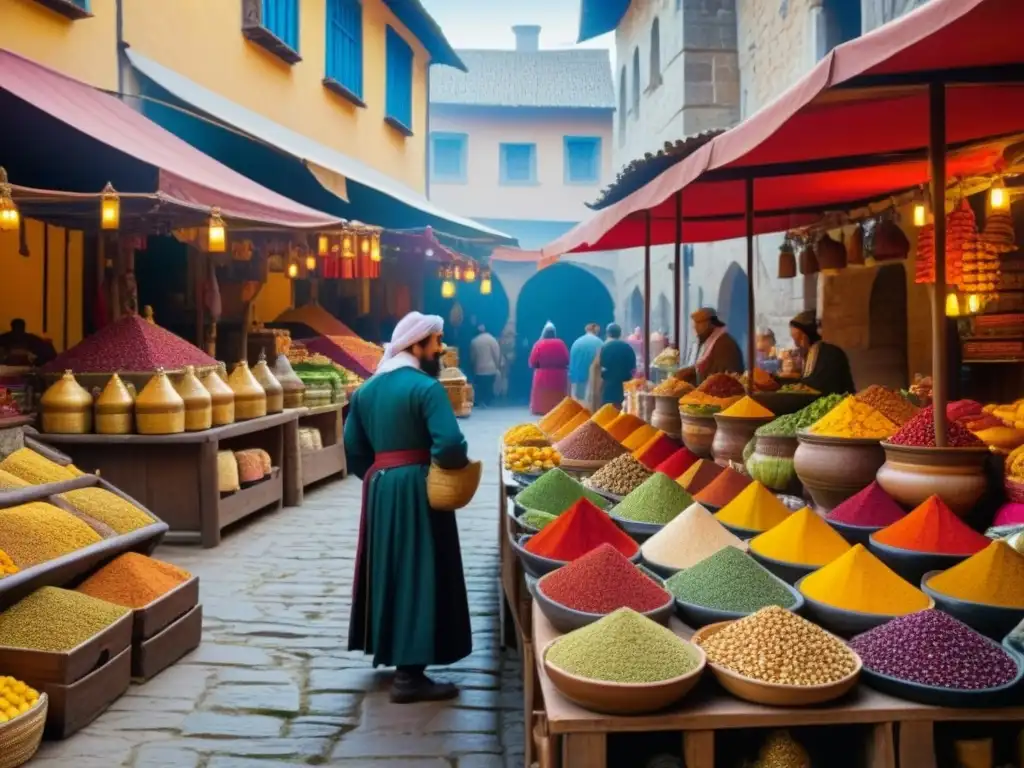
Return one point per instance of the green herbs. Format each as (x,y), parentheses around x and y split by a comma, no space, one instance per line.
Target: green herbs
(657,501)
(534,519)
(623,647)
(787,426)
(554,492)
(730,580)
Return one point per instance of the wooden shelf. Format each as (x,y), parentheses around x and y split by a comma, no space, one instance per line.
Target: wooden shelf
(330,460)
(265,494)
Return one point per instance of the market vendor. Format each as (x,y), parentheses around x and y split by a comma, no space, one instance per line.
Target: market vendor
(717,351)
(826,367)
(19,347)
(409,605)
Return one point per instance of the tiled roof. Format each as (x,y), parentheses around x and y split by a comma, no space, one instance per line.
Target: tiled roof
(560,79)
(637,173)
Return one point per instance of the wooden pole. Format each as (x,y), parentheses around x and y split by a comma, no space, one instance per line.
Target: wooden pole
(678,274)
(937,168)
(749,189)
(647,294)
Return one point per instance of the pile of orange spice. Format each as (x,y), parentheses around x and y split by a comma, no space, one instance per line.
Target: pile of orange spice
(133,580)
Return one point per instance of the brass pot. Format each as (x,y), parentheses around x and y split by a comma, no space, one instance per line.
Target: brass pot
(666,415)
(250,397)
(911,474)
(698,433)
(270,384)
(294,389)
(67,407)
(833,469)
(732,435)
(198,403)
(113,409)
(159,409)
(222,399)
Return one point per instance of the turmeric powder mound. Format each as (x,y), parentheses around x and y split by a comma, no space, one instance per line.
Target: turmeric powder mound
(624,425)
(854,419)
(639,437)
(605,415)
(34,468)
(9,482)
(133,580)
(559,415)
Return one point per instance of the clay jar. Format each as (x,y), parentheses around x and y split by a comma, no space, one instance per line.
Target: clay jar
(250,397)
(222,399)
(294,389)
(159,409)
(67,407)
(732,435)
(270,384)
(832,469)
(666,415)
(198,403)
(698,433)
(113,409)
(911,474)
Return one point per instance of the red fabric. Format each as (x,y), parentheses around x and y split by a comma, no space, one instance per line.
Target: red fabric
(550,361)
(814,120)
(186,176)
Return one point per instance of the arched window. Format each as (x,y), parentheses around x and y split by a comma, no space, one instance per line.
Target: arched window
(622,106)
(655,55)
(636,83)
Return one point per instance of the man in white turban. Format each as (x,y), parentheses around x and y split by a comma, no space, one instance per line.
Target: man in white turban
(409,604)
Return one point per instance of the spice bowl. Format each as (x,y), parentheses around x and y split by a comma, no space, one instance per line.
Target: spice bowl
(538,566)
(774,694)
(959,698)
(698,433)
(732,435)
(566,619)
(841,621)
(832,469)
(741,533)
(911,474)
(790,573)
(696,615)
(854,534)
(624,698)
(912,565)
(639,532)
(993,621)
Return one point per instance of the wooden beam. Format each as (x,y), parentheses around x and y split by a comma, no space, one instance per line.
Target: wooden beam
(750,283)
(647,296)
(937,168)
(677,306)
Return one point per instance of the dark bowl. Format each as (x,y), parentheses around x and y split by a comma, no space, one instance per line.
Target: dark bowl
(790,573)
(695,615)
(566,619)
(913,565)
(608,495)
(663,571)
(522,479)
(841,621)
(538,566)
(639,532)
(994,621)
(855,534)
(741,533)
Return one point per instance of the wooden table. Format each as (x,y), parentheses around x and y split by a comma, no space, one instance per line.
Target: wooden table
(317,465)
(901,732)
(176,475)
(515,614)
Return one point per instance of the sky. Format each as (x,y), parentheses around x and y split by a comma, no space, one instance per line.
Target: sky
(488,23)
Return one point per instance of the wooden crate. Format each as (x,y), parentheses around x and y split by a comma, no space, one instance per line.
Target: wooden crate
(151,657)
(72,707)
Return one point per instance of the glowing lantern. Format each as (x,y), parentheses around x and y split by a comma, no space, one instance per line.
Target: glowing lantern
(485,283)
(110,208)
(293,270)
(998,197)
(311,263)
(375,247)
(469,273)
(9,218)
(348,247)
(920,215)
(323,245)
(448,285)
(952,305)
(216,235)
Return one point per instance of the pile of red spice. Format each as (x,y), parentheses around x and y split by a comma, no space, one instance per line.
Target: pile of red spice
(601,582)
(871,508)
(589,442)
(577,531)
(677,463)
(920,431)
(721,385)
(656,451)
(933,528)
(724,488)
(130,344)
(699,475)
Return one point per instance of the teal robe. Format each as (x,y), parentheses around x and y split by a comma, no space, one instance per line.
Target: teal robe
(618,363)
(409,604)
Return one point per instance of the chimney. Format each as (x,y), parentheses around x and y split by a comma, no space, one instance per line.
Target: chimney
(527,37)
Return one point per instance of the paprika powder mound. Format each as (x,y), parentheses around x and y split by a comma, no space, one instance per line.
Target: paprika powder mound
(603,581)
(577,531)
(589,442)
(676,464)
(697,477)
(133,580)
(724,488)
(871,507)
(933,528)
(656,450)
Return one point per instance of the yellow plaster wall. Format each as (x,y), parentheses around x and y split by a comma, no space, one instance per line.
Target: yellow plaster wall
(274,298)
(85,49)
(202,40)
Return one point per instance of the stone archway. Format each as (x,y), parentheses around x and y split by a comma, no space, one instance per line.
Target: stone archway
(634,311)
(733,304)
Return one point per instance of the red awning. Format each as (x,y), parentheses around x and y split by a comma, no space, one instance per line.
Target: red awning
(854,129)
(186,176)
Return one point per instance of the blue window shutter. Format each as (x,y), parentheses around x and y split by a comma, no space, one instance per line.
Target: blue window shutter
(398,101)
(582,159)
(448,157)
(282,18)
(345,44)
(518,164)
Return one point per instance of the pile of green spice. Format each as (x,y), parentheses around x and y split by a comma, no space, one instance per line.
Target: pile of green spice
(730,580)
(788,425)
(554,492)
(657,501)
(52,619)
(623,647)
(535,519)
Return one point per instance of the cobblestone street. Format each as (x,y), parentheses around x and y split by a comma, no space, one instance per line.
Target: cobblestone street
(272,684)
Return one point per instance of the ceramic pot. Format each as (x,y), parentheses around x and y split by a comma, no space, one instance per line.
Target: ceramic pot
(832,469)
(250,397)
(732,435)
(666,415)
(698,433)
(113,409)
(198,402)
(222,399)
(67,407)
(768,450)
(159,409)
(911,474)
(270,384)
(294,389)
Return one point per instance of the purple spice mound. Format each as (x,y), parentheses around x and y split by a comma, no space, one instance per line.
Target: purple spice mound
(933,648)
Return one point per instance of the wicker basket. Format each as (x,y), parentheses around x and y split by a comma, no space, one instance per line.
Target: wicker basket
(20,738)
(452,489)
(459,394)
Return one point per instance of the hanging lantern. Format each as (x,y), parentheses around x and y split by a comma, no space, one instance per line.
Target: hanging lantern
(9,218)
(216,235)
(110,208)
(365,242)
(998,197)
(920,215)
(311,263)
(952,305)
(485,283)
(323,245)
(375,247)
(457,271)
(293,270)
(973,303)
(448,284)
(469,273)
(348,246)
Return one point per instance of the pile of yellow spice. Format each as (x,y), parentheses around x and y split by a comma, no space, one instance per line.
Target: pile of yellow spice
(853,418)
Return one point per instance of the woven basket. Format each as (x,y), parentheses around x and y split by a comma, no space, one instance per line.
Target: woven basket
(20,738)
(452,489)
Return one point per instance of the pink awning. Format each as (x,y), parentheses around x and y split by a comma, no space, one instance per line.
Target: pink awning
(186,176)
(854,129)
